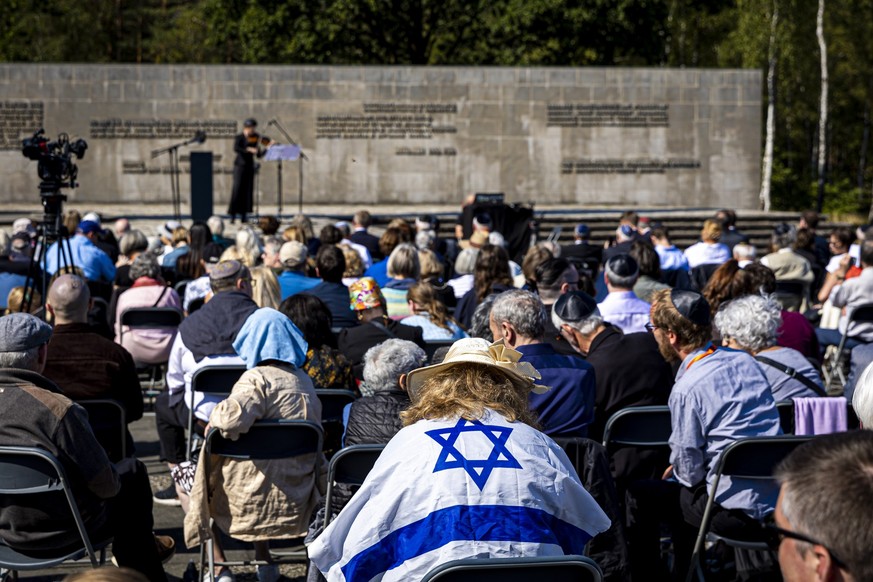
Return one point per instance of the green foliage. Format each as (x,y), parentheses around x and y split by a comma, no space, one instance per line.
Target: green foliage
(673,33)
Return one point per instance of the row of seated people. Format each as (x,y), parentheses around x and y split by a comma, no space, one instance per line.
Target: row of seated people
(575,307)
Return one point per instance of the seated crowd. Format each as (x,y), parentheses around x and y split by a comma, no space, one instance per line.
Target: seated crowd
(474,363)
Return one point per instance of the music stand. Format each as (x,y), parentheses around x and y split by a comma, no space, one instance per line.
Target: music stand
(280,153)
(173,150)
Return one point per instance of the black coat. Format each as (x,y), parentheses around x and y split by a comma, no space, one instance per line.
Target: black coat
(370,242)
(374,420)
(355,341)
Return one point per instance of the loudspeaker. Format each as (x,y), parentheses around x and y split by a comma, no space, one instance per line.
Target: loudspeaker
(201,185)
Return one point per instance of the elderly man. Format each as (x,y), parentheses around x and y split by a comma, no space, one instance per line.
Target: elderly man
(270,256)
(95,264)
(518,318)
(621,307)
(375,418)
(720,396)
(826,541)
(205,338)
(84,364)
(786,264)
(618,385)
(114,500)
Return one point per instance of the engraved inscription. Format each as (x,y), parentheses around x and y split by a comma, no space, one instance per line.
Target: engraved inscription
(161,128)
(638,166)
(379,121)
(19,119)
(607,115)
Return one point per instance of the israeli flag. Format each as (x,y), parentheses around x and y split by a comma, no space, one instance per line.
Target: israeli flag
(449,489)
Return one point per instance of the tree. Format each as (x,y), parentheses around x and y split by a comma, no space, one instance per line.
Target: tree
(770,135)
(823,109)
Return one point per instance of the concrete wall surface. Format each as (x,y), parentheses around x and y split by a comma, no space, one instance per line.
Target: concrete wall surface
(587,136)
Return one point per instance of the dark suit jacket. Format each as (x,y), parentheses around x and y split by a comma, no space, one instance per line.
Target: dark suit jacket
(355,341)
(362,237)
(582,251)
(733,237)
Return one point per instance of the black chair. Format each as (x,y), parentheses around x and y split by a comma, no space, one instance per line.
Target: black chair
(332,404)
(551,568)
(701,274)
(431,346)
(265,440)
(349,466)
(861,314)
(33,473)
(753,459)
(638,426)
(211,381)
(790,294)
(108,420)
(787,417)
(150,317)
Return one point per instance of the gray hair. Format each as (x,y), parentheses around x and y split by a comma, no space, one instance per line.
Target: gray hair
(465,264)
(27,360)
(784,235)
(384,364)
(745,252)
(424,239)
(272,244)
(479,323)
(862,400)
(403,262)
(145,265)
(133,241)
(216,225)
(522,310)
(750,321)
(585,326)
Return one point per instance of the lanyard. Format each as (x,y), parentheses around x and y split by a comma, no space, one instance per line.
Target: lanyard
(710,350)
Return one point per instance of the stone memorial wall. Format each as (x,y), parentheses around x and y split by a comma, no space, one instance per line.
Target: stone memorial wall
(653,137)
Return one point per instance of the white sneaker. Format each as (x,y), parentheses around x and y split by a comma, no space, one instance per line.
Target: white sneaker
(268,573)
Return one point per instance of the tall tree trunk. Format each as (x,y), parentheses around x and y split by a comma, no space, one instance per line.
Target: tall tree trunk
(823,111)
(767,173)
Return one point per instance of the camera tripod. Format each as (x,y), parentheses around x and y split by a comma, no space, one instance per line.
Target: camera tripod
(49,231)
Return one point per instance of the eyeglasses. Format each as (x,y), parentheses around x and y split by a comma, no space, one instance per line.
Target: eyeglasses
(651,327)
(775,535)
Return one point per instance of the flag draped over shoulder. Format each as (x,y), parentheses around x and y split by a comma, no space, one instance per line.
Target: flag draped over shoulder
(450,489)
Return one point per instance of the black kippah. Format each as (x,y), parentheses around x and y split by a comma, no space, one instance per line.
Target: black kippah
(692,305)
(575,306)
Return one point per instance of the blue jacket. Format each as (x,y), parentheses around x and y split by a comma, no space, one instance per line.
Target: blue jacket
(567,408)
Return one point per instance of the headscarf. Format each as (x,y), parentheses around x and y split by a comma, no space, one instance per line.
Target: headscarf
(268,334)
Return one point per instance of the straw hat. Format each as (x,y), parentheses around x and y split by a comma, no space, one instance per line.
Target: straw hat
(478,351)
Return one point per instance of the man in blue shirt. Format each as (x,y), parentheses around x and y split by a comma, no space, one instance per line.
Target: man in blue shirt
(293,279)
(720,396)
(95,264)
(330,265)
(567,408)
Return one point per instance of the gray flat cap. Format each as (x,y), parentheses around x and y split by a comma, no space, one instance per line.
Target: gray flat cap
(20,332)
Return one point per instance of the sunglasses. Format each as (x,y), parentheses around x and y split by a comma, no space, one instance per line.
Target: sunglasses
(775,535)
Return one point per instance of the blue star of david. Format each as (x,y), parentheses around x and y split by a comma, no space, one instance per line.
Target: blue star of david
(479,470)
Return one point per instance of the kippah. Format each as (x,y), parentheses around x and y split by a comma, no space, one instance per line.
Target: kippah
(692,305)
(225,270)
(623,265)
(575,306)
(582,230)
(20,332)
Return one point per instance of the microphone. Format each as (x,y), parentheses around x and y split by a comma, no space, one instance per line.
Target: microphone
(271,122)
(199,137)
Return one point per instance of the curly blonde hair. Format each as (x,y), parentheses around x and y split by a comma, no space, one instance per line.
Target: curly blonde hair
(466,390)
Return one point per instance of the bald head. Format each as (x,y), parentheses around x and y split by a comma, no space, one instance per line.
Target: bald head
(69,299)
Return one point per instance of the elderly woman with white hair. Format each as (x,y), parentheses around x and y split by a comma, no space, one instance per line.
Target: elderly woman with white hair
(375,418)
(749,324)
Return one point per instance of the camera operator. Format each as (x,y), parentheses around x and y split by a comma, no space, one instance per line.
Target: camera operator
(95,264)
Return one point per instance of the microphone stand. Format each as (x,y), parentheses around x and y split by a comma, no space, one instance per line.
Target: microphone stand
(175,188)
(302,157)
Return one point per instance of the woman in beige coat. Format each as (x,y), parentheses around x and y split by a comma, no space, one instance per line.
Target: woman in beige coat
(256,501)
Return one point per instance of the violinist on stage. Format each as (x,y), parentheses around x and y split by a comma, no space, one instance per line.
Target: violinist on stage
(247,146)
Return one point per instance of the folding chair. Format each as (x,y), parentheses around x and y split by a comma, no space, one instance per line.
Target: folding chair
(34,473)
(861,314)
(265,440)
(332,404)
(753,459)
(349,466)
(785,408)
(211,381)
(790,294)
(430,347)
(551,568)
(107,417)
(638,426)
(140,318)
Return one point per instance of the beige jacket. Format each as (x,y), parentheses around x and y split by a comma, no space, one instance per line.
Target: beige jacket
(259,500)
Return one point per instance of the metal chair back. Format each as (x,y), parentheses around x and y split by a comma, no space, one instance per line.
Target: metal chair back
(31,472)
(349,466)
(639,426)
(215,381)
(105,417)
(551,568)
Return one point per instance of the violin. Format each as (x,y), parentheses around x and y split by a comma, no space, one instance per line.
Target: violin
(256,139)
